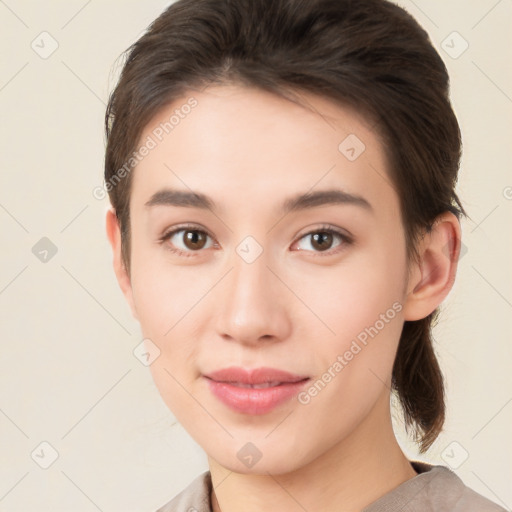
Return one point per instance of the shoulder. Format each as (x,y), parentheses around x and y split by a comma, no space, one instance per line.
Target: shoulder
(194,498)
(461,498)
(434,489)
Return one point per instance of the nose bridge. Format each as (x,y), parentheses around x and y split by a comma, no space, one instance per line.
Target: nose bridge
(251,309)
(250,279)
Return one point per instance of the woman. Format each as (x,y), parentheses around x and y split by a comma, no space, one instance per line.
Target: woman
(284,226)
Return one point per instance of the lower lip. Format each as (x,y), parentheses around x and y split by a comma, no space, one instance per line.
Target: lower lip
(252,400)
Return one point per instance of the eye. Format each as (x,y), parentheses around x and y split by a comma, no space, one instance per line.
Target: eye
(186,240)
(321,240)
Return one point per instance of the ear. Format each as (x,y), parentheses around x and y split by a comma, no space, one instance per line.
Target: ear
(431,279)
(123,278)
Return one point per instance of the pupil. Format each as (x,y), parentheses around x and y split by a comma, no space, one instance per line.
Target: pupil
(319,240)
(194,238)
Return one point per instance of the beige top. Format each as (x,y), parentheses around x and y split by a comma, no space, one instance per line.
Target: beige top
(434,489)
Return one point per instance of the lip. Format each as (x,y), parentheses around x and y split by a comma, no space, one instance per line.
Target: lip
(232,387)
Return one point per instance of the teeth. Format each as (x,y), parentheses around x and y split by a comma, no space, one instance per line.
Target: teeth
(263,385)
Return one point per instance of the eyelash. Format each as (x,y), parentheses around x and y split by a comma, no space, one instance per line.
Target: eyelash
(346,240)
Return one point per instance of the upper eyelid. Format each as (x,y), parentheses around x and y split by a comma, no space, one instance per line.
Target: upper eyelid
(175,230)
(328,228)
(325,227)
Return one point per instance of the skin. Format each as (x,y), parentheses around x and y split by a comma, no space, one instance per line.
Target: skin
(295,307)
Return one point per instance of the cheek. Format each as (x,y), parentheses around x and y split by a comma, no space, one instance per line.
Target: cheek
(167,304)
(170,308)
(361,305)
(355,363)
(353,297)
(165,296)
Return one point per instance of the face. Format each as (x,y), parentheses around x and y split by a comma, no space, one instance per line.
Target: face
(257,276)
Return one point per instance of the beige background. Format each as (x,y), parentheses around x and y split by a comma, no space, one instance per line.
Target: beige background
(68,375)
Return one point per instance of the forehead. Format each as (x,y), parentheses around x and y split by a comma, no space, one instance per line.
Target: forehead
(249,147)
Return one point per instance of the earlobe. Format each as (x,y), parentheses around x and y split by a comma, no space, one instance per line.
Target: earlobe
(433,275)
(123,278)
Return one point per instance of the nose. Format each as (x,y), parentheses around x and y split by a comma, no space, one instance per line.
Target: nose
(254,306)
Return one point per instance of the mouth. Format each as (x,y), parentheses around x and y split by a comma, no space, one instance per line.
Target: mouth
(262,385)
(254,392)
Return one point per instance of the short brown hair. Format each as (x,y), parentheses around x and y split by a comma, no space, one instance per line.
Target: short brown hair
(369,54)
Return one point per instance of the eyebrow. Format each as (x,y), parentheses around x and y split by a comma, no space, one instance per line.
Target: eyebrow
(189,199)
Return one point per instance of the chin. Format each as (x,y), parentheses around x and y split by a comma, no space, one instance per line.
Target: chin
(273,467)
(258,458)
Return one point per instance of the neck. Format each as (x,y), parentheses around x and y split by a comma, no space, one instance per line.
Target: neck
(355,472)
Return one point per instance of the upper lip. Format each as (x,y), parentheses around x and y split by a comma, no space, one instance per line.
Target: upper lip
(254,376)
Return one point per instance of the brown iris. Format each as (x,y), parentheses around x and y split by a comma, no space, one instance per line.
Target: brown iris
(322,240)
(195,240)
